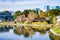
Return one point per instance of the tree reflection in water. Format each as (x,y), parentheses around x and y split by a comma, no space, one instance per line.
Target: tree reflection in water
(42,32)
(22,31)
(5,28)
(27,32)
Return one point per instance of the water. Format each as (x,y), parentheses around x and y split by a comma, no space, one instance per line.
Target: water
(9,34)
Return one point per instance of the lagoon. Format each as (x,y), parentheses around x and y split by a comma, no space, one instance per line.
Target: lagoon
(10,34)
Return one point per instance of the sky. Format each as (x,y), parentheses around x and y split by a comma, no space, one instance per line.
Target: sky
(15,5)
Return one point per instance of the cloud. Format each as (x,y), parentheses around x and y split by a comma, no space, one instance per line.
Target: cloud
(46,2)
(20,2)
(5,3)
(20,5)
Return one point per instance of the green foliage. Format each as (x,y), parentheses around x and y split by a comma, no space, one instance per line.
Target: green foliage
(25,12)
(55,12)
(35,12)
(54,20)
(57,30)
(17,13)
(52,13)
(6,11)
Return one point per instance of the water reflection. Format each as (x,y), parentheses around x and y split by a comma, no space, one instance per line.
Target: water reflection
(27,32)
(42,32)
(5,28)
(22,31)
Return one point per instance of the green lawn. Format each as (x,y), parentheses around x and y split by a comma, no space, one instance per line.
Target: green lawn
(57,30)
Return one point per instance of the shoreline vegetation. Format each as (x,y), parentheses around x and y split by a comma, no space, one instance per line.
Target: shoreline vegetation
(53,35)
(35,20)
(54,32)
(34,24)
(27,24)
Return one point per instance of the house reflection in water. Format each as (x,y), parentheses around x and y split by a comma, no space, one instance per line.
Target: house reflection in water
(6,16)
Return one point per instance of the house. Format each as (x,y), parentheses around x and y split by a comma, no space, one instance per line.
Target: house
(58,22)
(5,16)
(58,19)
(39,19)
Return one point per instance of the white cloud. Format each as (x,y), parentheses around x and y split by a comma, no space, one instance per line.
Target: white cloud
(21,2)
(5,3)
(20,5)
(50,2)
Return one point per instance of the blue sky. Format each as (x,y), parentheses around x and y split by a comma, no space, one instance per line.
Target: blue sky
(14,5)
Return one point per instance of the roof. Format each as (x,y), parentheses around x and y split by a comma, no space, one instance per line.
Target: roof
(40,19)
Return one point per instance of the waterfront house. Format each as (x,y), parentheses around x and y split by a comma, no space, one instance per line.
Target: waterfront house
(58,22)
(58,19)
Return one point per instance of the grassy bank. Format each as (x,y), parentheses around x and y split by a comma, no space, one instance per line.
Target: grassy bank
(57,30)
(53,37)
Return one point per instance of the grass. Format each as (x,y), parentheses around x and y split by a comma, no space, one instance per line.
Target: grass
(57,30)
(43,23)
(39,23)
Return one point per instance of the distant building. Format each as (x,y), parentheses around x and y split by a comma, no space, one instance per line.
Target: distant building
(57,7)
(38,10)
(51,7)
(6,16)
(47,7)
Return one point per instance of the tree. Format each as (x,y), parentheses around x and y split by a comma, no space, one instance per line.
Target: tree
(42,14)
(35,12)
(31,16)
(17,13)
(52,13)
(54,20)
(25,12)
(6,11)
